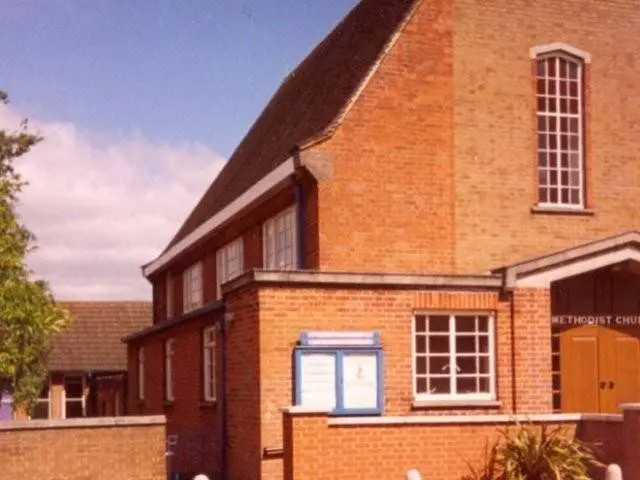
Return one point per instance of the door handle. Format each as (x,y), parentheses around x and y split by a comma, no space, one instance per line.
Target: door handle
(611,384)
(603,385)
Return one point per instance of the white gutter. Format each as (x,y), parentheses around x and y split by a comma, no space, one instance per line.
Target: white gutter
(262,186)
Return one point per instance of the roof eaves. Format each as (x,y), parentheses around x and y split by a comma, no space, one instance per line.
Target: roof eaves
(185,317)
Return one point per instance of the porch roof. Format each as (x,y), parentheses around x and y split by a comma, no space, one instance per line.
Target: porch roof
(541,271)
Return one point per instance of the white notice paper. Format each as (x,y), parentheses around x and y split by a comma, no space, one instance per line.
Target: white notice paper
(360,381)
(318,380)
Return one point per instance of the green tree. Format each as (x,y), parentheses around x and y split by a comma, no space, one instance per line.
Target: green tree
(29,315)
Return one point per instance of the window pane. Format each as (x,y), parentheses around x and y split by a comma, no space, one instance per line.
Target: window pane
(573,71)
(466,344)
(575,196)
(541,104)
(556,381)
(483,343)
(541,87)
(440,385)
(465,324)
(421,324)
(542,159)
(564,195)
(73,409)
(438,324)
(542,124)
(551,67)
(421,385)
(439,344)
(574,160)
(421,365)
(484,385)
(484,363)
(553,160)
(556,401)
(438,365)
(552,104)
(40,410)
(421,344)
(544,197)
(553,142)
(542,177)
(466,385)
(564,177)
(541,68)
(466,365)
(553,196)
(73,387)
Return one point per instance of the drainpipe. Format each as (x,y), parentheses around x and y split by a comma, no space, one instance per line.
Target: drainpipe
(223,400)
(299,199)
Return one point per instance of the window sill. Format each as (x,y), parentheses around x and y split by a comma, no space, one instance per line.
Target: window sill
(543,209)
(457,403)
(208,404)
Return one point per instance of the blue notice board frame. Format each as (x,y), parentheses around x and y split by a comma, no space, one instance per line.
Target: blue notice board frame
(340,345)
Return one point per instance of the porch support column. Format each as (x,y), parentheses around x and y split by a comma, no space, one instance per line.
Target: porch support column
(532,350)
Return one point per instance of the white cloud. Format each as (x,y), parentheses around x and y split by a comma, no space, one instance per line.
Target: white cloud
(101,207)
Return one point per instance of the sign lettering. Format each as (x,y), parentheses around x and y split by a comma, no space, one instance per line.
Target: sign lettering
(605,320)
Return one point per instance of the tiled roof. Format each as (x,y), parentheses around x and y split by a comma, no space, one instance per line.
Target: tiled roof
(94,339)
(309,103)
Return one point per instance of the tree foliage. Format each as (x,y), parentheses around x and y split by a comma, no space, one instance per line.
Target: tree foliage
(29,315)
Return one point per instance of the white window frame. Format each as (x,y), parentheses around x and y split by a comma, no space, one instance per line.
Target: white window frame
(141,373)
(546,116)
(454,397)
(192,287)
(82,399)
(209,364)
(168,370)
(272,237)
(229,263)
(170,295)
(47,400)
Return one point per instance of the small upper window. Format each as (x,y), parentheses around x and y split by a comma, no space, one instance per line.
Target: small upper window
(279,241)
(560,114)
(192,291)
(229,263)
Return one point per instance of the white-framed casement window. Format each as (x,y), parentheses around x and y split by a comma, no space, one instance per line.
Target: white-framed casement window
(42,408)
(192,287)
(170,297)
(168,370)
(279,241)
(560,114)
(75,405)
(141,373)
(229,263)
(453,357)
(209,364)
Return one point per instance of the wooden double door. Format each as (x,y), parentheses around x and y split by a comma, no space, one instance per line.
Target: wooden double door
(599,369)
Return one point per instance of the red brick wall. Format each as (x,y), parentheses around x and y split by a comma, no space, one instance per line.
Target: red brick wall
(494,143)
(286,312)
(195,422)
(389,205)
(314,449)
(244,380)
(87,452)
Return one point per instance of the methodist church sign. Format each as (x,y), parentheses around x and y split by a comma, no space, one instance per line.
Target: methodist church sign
(606,320)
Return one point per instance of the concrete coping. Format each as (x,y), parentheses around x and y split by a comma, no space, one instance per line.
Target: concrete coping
(457,419)
(602,417)
(389,280)
(298,410)
(94,422)
(630,406)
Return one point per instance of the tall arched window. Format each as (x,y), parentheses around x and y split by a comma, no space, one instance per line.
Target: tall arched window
(560,115)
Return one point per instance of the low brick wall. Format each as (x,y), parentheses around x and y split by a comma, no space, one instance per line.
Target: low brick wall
(131,448)
(318,447)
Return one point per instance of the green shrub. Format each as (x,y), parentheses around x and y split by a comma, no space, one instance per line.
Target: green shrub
(525,455)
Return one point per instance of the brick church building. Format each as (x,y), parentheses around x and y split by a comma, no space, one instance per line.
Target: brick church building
(432,222)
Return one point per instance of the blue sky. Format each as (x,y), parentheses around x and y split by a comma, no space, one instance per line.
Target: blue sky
(181,70)
(140,103)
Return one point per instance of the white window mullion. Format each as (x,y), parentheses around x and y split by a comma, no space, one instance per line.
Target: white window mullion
(452,355)
(492,357)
